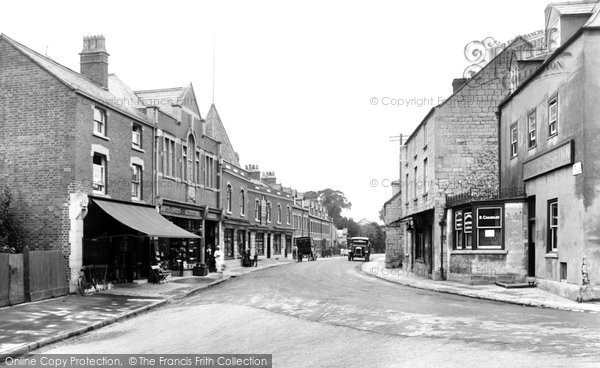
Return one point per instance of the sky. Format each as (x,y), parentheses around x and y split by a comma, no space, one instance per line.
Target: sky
(311,90)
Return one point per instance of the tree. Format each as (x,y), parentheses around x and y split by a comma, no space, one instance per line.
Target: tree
(11,232)
(334,201)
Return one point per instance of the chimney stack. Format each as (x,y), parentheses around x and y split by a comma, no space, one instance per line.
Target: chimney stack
(94,60)
(253,171)
(457,83)
(269,178)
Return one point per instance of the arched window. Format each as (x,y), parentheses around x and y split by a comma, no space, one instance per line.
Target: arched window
(268,211)
(278,213)
(242,202)
(229,198)
(257,210)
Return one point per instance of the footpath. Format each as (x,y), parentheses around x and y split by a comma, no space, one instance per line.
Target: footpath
(28,326)
(532,297)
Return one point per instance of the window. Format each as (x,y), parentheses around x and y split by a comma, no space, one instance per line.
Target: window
(257,210)
(268,212)
(190,159)
(289,215)
(209,174)
(99,121)
(184,163)
(198,173)
(489,227)
(278,213)
(99,174)
(228,198)
(513,140)
(169,151)
(420,246)
(563,271)
(415,183)
(514,77)
(242,202)
(259,244)
(136,182)
(425,183)
(531,128)
(406,188)
(136,136)
(552,225)
(553,117)
(425,135)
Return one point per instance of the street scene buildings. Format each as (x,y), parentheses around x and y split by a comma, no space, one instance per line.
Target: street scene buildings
(485,172)
(134,178)
(144,221)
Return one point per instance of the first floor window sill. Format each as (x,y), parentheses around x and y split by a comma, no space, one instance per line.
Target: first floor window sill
(101,136)
(551,255)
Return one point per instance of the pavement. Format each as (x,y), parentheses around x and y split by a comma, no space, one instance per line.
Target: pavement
(532,297)
(29,326)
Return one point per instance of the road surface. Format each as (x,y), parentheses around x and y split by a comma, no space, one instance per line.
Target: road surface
(328,314)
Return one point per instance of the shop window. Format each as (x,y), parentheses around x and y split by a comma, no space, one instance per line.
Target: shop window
(552,225)
(136,136)
(100,121)
(229,245)
(277,244)
(532,130)
(489,227)
(420,246)
(136,182)
(259,243)
(99,174)
(458,230)
(553,116)
(241,242)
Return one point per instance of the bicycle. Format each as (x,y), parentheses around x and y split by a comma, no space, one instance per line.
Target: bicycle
(84,283)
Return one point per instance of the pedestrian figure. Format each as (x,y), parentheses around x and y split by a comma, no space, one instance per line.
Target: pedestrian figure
(219,260)
(255,258)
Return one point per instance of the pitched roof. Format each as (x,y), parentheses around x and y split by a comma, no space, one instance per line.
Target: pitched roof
(165,98)
(216,129)
(76,81)
(574,7)
(594,20)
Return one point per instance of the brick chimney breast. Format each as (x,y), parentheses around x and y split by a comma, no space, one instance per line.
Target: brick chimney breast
(94,60)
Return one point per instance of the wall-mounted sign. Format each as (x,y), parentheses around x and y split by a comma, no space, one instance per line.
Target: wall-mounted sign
(468,221)
(169,210)
(489,217)
(548,161)
(458,221)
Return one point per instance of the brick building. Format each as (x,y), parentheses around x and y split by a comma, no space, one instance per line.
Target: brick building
(81,160)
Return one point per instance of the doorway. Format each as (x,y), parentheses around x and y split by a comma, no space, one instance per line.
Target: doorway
(268,245)
(531,237)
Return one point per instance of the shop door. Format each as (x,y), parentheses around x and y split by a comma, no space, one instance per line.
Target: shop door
(268,245)
(531,237)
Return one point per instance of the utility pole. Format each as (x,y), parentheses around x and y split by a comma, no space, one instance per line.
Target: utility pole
(401,153)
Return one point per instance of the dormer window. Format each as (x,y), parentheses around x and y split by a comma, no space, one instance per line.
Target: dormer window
(99,121)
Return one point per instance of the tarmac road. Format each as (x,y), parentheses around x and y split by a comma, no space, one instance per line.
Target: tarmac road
(328,314)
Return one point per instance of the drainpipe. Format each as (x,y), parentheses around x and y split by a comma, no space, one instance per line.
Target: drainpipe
(442,226)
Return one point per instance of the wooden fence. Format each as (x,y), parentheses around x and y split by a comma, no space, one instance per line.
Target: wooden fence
(32,276)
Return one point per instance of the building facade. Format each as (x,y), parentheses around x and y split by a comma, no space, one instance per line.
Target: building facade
(548,130)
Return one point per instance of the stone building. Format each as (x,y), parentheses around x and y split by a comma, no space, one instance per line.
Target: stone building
(394,230)
(548,131)
(454,150)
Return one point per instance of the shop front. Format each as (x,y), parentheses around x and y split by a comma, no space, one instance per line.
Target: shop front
(181,256)
(235,235)
(487,241)
(419,243)
(123,237)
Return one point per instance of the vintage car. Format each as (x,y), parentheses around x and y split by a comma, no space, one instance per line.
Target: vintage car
(359,247)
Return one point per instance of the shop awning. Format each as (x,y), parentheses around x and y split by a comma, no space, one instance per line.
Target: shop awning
(144,219)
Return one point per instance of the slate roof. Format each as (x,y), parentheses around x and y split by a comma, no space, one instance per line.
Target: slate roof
(216,129)
(574,7)
(164,98)
(76,81)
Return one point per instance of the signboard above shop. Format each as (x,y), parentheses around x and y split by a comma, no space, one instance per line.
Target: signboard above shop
(548,161)
(489,217)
